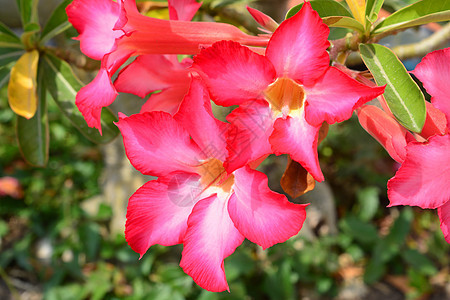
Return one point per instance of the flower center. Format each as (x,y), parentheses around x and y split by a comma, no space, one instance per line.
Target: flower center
(213,174)
(285,95)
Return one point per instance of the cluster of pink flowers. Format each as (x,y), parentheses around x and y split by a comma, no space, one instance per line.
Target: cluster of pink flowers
(208,196)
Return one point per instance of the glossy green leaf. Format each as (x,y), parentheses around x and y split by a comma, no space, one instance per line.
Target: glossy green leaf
(325,8)
(9,42)
(63,87)
(343,22)
(8,55)
(7,31)
(57,22)
(419,13)
(28,11)
(402,94)
(372,9)
(32,134)
(9,38)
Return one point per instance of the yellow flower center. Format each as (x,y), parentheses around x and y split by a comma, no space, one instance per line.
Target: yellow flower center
(213,174)
(285,96)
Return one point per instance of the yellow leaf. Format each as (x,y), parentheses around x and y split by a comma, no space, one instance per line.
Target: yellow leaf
(358,8)
(22,85)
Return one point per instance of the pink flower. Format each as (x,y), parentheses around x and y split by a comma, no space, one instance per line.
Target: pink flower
(195,201)
(113,31)
(284,96)
(424,175)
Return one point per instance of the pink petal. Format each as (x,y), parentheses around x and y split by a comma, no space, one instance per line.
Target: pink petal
(91,98)
(262,216)
(154,36)
(167,100)
(149,73)
(94,20)
(195,114)
(122,19)
(385,129)
(183,10)
(423,178)
(157,212)
(297,48)
(435,122)
(210,238)
(100,92)
(114,60)
(248,137)
(434,72)
(157,145)
(296,137)
(444,217)
(233,72)
(334,97)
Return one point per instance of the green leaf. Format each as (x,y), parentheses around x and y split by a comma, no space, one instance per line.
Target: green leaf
(343,22)
(363,232)
(402,226)
(369,202)
(372,9)
(90,239)
(419,13)
(10,42)
(57,22)
(419,262)
(32,134)
(325,8)
(4,74)
(7,31)
(402,94)
(374,271)
(63,86)
(8,55)
(8,38)
(28,11)
(32,28)
(388,247)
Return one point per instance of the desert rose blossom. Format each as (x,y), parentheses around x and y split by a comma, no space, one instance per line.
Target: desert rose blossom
(195,201)
(114,31)
(424,175)
(284,96)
